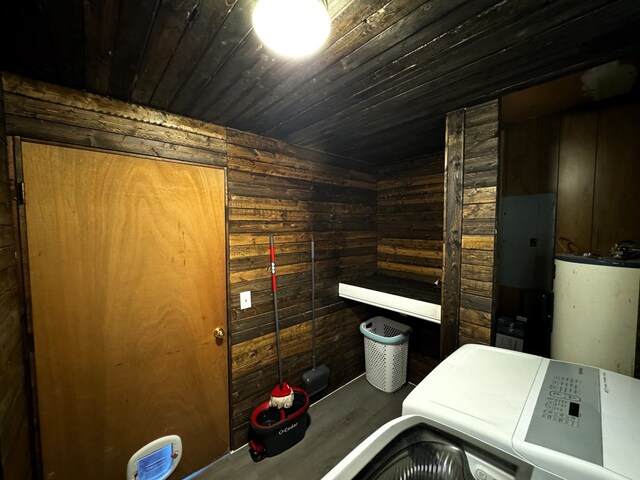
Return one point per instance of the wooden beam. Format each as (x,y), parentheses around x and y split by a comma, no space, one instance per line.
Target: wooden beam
(453,174)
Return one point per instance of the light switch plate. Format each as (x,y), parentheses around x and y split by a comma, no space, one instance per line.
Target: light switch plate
(245,300)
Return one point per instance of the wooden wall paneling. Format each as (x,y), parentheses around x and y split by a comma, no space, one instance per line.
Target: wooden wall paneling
(617,177)
(452,231)
(410,205)
(272,187)
(15,417)
(530,163)
(522,148)
(588,157)
(290,192)
(479,204)
(60,97)
(76,116)
(410,216)
(576,171)
(549,154)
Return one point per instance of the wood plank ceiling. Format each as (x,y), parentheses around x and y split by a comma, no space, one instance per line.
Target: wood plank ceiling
(378,91)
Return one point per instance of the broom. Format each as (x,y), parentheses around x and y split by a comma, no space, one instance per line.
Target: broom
(282,394)
(316,379)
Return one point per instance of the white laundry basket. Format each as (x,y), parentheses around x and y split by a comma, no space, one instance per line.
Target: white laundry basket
(386,349)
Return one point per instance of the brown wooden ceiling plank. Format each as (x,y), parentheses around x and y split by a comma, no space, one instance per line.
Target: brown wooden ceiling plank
(369,74)
(392,144)
(452,87)
(228,38)
(250,61)
(288,92)
(350,91)
(241,95)
(396,149)
(351,29)
(464,96)
(501,71)
(559,67)
(201,30)
(171,22)
(134,27)
(345,21)
(445,54)
(218,107)
(100,27)
(424,164)
(66,24)
(27,47)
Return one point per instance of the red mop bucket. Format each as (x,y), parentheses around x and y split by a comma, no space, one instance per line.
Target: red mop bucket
(272,430)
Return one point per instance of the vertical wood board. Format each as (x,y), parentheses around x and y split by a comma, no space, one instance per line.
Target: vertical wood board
(452,231)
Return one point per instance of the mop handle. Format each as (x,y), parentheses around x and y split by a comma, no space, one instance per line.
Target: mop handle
(274,287)
(272,253)
(313,302)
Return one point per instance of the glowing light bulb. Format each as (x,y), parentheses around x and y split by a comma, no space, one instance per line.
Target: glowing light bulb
(292,28)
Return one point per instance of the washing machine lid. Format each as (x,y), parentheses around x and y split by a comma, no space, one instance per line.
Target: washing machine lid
(479,390)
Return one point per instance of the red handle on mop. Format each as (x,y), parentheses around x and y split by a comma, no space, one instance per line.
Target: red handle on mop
(272,252)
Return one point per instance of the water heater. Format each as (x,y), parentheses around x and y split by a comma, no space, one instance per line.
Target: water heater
(596,312)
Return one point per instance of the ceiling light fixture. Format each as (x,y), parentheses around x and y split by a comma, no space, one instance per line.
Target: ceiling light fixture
(292,28)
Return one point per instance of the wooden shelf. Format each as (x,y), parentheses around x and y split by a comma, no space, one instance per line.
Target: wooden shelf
(416,299)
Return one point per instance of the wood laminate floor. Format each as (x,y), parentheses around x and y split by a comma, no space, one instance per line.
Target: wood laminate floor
(339,422)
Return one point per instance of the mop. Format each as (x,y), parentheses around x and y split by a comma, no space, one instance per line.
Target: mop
(316,379)
(282,394)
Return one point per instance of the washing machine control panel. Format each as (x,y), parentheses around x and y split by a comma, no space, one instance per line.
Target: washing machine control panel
(567,413)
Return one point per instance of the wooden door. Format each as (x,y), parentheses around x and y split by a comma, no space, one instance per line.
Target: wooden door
(127,270)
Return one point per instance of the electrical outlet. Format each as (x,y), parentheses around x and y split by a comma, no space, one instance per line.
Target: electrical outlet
(245,300)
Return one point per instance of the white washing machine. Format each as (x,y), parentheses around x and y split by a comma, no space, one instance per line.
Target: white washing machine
(486,413)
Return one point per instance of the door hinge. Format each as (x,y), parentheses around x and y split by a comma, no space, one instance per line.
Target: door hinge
(20,191)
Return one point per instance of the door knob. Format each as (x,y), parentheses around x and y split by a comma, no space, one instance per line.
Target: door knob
(218,332)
